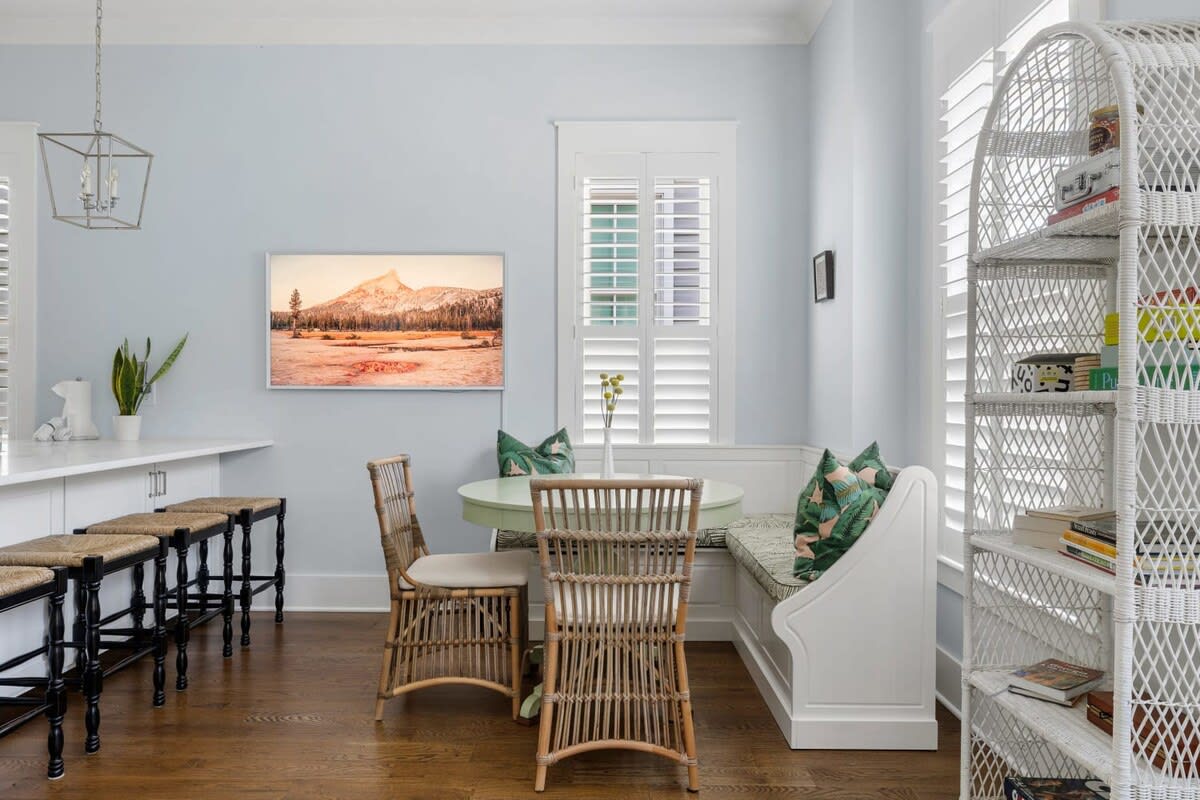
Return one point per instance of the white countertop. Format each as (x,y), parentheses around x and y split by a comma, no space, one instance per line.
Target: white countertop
(28,461)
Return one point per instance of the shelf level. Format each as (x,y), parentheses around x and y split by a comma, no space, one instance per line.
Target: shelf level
(1049,560)
(1101,402)
(1090,237)
(1066,727)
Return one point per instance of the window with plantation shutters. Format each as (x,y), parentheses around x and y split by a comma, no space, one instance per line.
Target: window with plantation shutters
(645,281)
(973,42)
(4,300)
(18,277)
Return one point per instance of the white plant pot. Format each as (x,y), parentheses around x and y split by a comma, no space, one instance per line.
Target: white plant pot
(127,428)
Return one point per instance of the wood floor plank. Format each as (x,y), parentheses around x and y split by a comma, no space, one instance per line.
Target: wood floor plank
(291,718)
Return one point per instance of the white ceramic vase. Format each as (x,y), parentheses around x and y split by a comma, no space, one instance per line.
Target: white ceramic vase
(606,462)
(127,428)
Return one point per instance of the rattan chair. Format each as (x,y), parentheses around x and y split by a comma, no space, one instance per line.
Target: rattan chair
(455,618)
(616,560)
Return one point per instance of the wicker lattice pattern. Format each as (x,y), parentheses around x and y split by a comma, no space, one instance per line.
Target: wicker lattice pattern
(616,561)
(1038,288)
(438,635)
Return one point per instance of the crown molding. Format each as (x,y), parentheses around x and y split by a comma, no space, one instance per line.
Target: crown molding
(175,26)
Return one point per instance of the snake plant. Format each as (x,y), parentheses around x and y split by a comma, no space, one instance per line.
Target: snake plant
(129,384)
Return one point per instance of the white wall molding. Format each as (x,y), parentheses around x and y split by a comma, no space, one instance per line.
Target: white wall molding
(354,22)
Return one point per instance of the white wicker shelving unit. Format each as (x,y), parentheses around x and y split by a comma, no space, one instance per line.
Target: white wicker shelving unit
(1033,288)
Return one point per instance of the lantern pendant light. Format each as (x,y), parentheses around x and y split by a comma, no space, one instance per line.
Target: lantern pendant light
(87,173)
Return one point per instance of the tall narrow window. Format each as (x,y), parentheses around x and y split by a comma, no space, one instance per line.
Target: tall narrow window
(973,44)
(646,276)
(4,299)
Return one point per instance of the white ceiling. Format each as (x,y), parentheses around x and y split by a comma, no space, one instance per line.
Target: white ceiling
(414,21)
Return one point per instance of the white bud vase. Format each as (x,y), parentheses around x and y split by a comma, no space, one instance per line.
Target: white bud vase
(127,428)
(606,462)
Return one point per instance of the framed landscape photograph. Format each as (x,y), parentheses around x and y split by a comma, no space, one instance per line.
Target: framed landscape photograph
(385,321)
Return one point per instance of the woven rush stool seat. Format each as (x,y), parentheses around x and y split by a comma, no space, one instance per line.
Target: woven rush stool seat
(181,530)
(20,586)
(244,512)
(87,560)
(17,580)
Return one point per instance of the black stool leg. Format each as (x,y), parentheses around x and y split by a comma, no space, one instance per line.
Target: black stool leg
(56,694)
(79,626)
(182,625)
(92,676)
(227,597)
(137,604)
(280,572)
(202,576)
(247,521)
(160,624)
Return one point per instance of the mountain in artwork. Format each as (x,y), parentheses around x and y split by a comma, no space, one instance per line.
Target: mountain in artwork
(387,294)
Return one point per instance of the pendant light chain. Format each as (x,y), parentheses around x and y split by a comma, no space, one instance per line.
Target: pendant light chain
(99,15)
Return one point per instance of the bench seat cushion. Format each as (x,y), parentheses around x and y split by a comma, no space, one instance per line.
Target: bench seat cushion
(527,540)
(762,544)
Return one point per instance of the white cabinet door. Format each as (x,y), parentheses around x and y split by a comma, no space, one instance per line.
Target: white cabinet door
(187,479)
(30,510)
(99,496)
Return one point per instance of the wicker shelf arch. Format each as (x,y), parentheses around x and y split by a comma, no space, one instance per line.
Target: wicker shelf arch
(1034,287)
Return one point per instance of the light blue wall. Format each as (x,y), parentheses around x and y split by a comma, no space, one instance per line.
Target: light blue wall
(864,61)
(383,149)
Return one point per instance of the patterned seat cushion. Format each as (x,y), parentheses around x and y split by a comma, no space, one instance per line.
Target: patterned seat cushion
(762,543)
(527,540)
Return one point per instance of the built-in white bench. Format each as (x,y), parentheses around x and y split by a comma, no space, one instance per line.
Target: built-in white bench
(844,662)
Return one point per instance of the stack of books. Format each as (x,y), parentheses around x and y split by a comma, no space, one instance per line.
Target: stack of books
(1083,369)
(1043,527)
(1093,542)
(1054,681)
(1055,789)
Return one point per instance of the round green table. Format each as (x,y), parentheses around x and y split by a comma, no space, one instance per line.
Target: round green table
(505,503)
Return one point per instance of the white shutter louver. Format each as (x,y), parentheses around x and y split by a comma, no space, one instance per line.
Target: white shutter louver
(611,355)
(4,299)
(610,251)
(682,394)
(682,241)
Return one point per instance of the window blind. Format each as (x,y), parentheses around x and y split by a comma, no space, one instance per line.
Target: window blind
(4,301)
(965,95)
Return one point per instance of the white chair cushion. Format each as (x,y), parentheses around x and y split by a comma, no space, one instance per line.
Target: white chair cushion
(471,570)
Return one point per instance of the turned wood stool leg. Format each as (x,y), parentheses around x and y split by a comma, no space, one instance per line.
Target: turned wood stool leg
(280,572)
(247,596)
(160,624)
(202,576)
(137,602)
(79,626)
(92,676)
(227,596)
(181,618)
(56,693)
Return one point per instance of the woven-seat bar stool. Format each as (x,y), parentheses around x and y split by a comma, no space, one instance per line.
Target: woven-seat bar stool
(455,617)
(18,587)
(88,560)
(244,512)
(179,532)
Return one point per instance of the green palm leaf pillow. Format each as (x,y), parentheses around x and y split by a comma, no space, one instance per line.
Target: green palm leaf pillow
(552,456)
(831,513)
(870,467)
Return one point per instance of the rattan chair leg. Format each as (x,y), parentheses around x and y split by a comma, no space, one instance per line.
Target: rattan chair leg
(689,725)
(388,668)
(545,724)
(515,615)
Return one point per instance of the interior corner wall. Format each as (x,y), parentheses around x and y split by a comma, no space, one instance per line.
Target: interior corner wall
(861,363)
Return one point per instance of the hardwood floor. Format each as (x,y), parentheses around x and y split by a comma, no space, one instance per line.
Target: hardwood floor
(292,718)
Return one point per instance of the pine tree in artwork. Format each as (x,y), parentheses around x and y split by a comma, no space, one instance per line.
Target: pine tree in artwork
(294,304)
